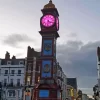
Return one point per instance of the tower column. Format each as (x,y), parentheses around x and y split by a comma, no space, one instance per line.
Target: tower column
(47,87)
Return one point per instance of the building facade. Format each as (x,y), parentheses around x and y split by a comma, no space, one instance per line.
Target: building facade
(12,77)
(32,73)
(61,80)
(64,87)
(70,92)
(73,82)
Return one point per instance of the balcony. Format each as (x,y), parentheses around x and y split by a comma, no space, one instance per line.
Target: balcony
(19,85)
(10,85)
(60,78)
(5,84)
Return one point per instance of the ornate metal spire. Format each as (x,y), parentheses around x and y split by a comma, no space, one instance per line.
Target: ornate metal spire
(50,1)
(49,5)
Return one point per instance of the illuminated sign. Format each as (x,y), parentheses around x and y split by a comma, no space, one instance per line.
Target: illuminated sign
(44,93)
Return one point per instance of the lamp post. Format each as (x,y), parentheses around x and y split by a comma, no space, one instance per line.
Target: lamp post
(98,68)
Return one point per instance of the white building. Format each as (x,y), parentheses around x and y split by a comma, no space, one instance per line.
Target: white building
(12,77)
(64,86)
(61,80)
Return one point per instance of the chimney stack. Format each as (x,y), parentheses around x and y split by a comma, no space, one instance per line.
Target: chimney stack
(13,57)
(7,55)
(33,52)
(29,51)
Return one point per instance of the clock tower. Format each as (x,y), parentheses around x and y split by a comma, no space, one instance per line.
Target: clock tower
(47,87)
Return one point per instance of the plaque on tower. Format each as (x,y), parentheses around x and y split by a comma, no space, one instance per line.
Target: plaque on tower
(46,69)
(47,47)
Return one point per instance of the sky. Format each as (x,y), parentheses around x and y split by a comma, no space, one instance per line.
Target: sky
(79,34)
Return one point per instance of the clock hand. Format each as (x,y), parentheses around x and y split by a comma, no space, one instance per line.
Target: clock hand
(49,21)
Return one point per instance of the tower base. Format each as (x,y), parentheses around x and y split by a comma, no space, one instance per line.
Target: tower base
(47,92)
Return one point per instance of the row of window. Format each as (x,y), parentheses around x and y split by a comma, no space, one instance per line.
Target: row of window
(12,72)
(61,84)
(60,73)
(13,93)
(11,81)
(20,62)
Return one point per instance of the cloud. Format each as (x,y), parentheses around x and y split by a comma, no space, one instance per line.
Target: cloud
(79,60)
(73,35)
(19,55)
(88,90)
(14,40)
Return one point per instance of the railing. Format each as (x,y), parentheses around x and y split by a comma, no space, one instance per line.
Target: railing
(18,84)
(12,85)
(5,84)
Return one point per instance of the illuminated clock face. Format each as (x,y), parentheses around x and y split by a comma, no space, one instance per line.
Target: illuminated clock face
(48,20)
(57,23)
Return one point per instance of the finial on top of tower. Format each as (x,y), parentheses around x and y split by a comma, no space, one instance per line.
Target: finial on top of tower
(50,1)
(49,5)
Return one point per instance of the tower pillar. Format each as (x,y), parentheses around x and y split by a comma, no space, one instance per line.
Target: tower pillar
(47,88)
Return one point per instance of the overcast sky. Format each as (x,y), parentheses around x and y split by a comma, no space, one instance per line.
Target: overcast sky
(79,34)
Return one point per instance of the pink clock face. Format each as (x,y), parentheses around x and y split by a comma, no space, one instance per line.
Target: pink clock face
(48,20)
(57,23)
